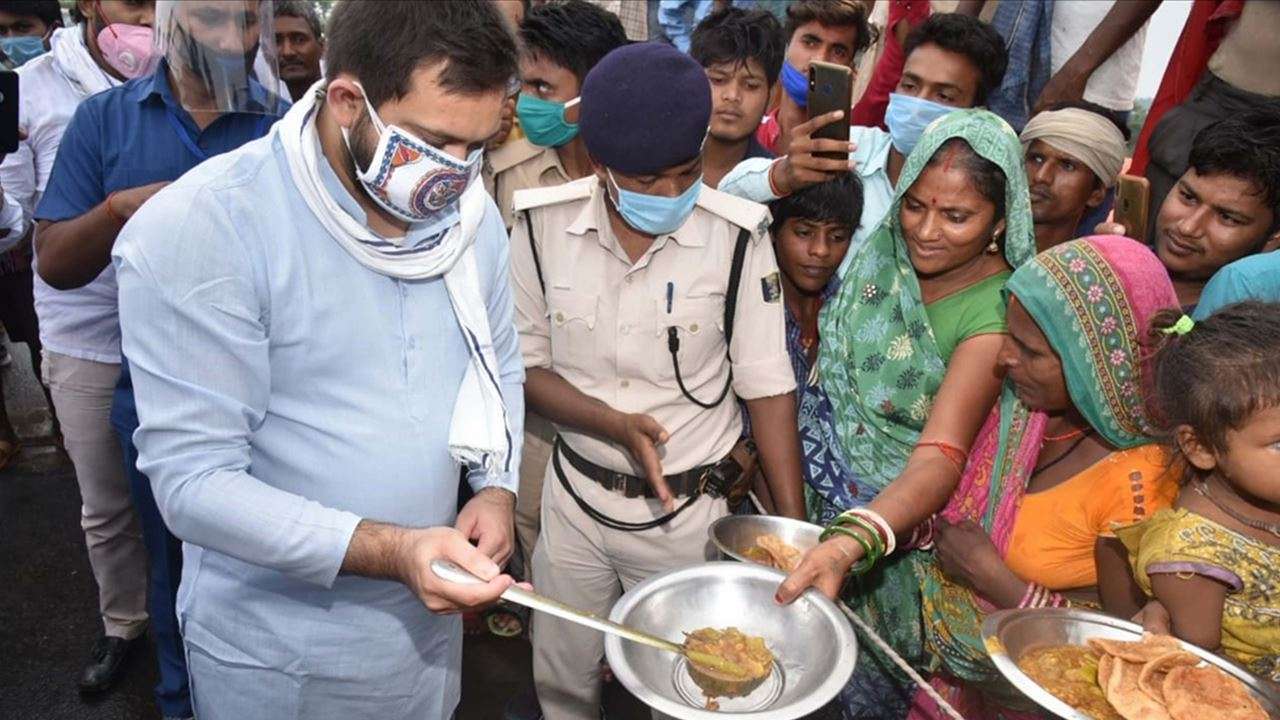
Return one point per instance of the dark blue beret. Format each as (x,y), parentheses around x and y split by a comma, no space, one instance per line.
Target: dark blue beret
(645,108)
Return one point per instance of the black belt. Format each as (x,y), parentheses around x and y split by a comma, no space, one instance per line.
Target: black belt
(605,477)
(688,482)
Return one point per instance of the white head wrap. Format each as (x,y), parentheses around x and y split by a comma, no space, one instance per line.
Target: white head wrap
(1087,136)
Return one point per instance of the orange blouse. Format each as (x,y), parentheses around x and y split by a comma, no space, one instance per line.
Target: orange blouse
(1055,530)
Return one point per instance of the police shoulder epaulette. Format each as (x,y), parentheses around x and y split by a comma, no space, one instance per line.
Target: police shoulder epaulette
(741,212)
(579,189)
(512,154)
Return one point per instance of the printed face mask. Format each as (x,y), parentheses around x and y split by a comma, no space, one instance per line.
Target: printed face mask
(411,179)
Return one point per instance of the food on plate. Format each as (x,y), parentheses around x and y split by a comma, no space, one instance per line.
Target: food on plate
(770,550)
(1197,693)
(1070,673)
(1119,680)
(1151,679)
(1143,651)
(728,662)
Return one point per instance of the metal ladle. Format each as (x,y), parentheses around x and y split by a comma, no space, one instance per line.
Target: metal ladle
(453,573)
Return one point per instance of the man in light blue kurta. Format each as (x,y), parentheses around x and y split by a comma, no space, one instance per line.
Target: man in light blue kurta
(290,394)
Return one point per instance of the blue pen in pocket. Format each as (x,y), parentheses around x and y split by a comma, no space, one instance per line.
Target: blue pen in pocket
(671,291)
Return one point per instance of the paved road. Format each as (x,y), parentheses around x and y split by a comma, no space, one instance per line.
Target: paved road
(48,617)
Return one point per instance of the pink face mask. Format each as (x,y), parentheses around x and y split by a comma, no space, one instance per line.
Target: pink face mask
(128,49)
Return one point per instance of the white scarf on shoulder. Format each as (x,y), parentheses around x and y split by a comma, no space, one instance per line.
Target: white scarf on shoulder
(479,434)
(76,64)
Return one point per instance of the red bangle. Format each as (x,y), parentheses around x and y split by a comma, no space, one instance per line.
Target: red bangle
(769,177)
(111,212)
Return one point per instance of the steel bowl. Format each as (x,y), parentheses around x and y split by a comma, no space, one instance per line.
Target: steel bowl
(733,534)
(1011,633)
(813,645)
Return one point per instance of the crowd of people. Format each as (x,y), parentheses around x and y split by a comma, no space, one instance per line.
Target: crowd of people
(546,288)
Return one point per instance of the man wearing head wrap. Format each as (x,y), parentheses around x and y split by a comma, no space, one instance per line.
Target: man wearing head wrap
(634,328)
(1073,154)
(188,96)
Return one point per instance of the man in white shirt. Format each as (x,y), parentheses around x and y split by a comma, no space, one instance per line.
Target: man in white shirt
(79,332)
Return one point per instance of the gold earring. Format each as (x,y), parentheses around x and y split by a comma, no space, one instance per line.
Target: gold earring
(994,247)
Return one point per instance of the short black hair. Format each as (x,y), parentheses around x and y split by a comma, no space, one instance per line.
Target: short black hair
(1216,376)
(304,9)
(734,35)
(1096,109)
(573,34)
(1247,146)
(834,13)
(838,200)
(986,176)
(383,43)
(967,36)
(48,11)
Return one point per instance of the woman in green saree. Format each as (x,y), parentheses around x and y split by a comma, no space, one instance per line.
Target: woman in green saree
(908,357)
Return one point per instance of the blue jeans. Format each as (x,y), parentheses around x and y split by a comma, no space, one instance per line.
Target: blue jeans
(164,551)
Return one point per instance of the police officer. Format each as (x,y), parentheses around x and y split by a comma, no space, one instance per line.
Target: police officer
(645,301)
(559,44)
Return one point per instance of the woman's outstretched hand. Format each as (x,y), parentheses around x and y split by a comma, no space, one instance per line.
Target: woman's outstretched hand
(823,567)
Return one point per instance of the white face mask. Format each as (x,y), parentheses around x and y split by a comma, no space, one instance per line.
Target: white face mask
(411,179)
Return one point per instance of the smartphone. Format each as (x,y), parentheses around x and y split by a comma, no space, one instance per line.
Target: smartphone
(831,88)
(8,111)
(1133,198)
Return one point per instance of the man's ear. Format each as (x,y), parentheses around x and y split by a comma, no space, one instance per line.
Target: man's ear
(345,100)
(1096,197)
(1272,242)
(1193,447)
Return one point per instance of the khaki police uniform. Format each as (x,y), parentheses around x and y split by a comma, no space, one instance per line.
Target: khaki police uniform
(521,165)
(601,324)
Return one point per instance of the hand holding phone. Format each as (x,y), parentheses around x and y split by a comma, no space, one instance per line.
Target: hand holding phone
(1133,197)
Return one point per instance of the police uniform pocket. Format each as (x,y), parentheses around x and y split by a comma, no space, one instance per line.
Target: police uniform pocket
(572,317)
(697,323)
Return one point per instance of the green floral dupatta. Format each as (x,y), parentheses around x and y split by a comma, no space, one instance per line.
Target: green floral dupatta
(880,363)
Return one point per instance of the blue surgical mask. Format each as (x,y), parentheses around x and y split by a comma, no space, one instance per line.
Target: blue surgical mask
(908,116)
(543,120)
(795,83)
(21,49)
(655,214)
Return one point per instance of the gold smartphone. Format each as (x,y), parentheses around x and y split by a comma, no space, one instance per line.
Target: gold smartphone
(1133,199)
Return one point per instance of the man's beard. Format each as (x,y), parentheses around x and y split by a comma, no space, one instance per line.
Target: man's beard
(362,146)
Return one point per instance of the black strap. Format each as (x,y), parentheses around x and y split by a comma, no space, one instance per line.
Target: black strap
(600,517)
(533,246)
(735,278)
(730,310)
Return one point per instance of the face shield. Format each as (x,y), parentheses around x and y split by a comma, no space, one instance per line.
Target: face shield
(212,47)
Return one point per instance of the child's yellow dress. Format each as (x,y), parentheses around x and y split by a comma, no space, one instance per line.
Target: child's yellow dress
(1182,542)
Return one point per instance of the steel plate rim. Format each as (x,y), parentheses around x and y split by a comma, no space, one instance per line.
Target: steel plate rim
(733,552)
(829,688)
(996,621)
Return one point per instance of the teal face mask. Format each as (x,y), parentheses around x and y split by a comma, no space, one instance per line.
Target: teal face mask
(21,49)
(655,214)
(543,120)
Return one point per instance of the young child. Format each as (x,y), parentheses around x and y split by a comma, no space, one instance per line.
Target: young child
(1213,560)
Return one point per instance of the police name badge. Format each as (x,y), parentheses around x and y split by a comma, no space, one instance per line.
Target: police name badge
(771,287)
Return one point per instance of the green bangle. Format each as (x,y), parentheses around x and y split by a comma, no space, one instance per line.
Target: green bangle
(868,560)
(872,531)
